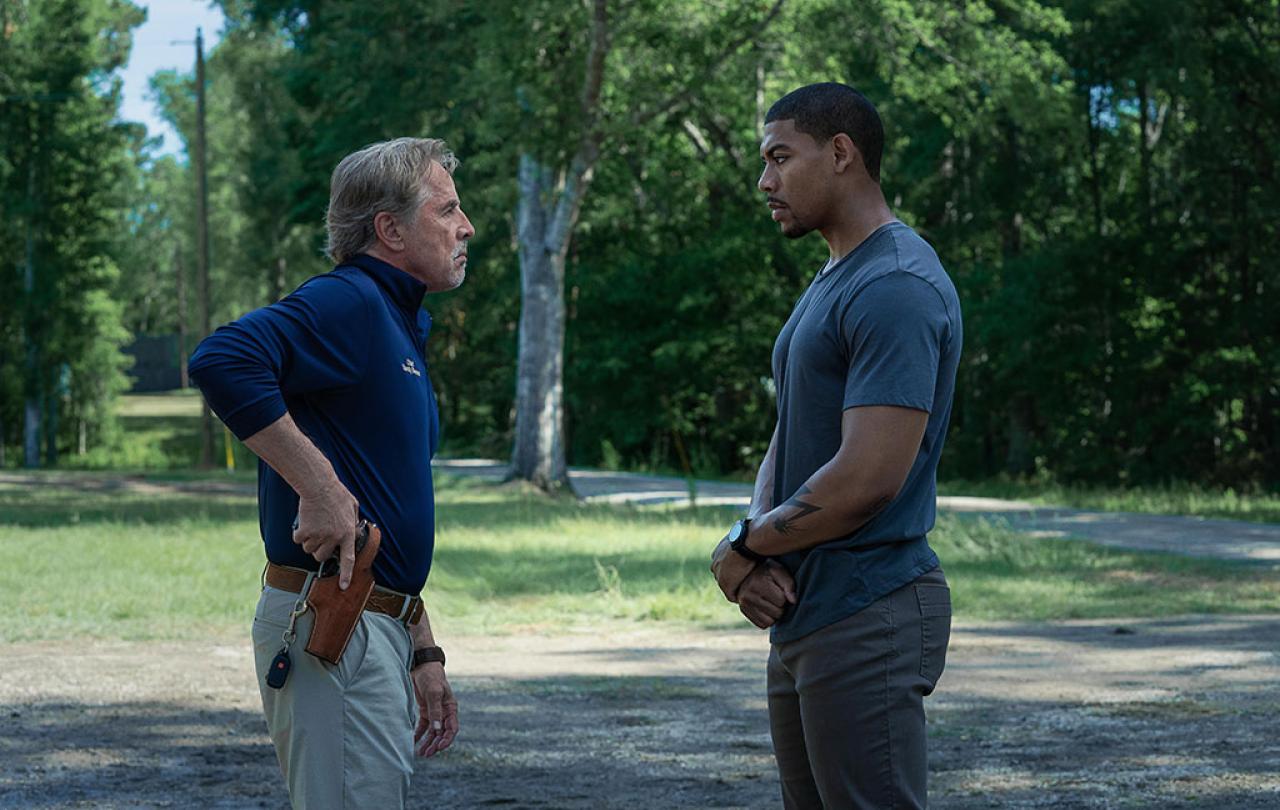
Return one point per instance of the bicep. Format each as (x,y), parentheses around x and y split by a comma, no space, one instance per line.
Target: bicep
(307,342)
(893,332)
(879,444)
(311,340)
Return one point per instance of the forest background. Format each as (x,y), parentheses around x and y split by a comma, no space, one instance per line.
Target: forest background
(1098,177)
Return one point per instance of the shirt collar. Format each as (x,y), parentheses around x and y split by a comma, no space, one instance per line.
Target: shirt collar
(405,290)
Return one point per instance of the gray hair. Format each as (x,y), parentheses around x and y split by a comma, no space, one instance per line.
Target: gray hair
(386,176)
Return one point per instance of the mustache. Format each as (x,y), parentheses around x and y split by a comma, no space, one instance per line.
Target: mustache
(460,250)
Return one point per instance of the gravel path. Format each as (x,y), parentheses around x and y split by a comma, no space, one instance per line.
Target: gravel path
(1168,714)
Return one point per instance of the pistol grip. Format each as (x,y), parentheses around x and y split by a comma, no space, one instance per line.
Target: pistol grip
(337,611)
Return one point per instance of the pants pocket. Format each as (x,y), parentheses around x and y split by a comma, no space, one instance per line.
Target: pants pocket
(935,631)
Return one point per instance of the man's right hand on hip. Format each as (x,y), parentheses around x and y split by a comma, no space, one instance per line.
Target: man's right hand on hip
(327,521)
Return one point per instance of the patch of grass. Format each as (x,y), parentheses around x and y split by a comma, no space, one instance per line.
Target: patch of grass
(160,432)
(999,574)
(178,403)
(87,559)
(1228,504)
(628,689)
(1182,709)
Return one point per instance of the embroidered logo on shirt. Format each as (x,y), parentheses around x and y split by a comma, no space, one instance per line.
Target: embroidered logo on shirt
(409,368)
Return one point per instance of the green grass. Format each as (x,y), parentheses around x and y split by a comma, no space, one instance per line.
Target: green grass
(84,559)
(161,432)
(1258,507)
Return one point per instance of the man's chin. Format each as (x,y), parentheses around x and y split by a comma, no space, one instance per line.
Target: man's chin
(794,230)
(449,282)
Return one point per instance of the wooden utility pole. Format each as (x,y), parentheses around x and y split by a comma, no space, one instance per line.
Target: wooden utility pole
(180,282)
(202,242)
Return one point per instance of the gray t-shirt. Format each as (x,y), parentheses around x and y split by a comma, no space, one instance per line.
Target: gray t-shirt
(881,327)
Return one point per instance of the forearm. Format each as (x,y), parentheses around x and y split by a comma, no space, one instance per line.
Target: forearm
(835,502)
(762,495)
(291,454)
(878,447)
(420,633)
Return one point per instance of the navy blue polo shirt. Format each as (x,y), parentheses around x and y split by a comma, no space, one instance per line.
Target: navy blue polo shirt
(344,355)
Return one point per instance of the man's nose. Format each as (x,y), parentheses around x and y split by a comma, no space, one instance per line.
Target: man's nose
(766,181)
(467,231)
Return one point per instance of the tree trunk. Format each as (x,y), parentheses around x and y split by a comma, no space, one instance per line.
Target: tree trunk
(1144,152)
(279,278)
(538,453)
(51,425)
(31,406)
(545,219)
(31,433)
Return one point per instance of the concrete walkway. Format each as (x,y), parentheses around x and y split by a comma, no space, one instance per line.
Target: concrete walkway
(1196,537)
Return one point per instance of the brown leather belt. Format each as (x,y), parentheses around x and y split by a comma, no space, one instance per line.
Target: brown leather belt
(399,606)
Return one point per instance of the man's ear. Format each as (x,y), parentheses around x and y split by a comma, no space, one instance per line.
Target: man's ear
(388,231)
(846,154)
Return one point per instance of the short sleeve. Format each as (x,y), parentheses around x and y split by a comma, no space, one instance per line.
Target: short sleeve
(313,340)
(895,329)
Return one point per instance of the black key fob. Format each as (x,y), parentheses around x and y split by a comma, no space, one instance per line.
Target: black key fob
(279,670)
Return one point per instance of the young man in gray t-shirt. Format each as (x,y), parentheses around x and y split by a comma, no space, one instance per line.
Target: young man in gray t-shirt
(833,556)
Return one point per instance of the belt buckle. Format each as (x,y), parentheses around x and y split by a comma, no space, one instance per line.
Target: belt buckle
(405,608)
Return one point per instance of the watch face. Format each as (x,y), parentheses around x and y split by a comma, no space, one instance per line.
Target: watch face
(736,532)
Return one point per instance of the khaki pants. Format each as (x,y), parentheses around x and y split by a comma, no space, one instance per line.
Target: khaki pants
(343,734)
(846,703)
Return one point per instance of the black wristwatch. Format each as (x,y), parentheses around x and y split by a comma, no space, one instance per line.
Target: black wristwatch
(738,541)
(426,655)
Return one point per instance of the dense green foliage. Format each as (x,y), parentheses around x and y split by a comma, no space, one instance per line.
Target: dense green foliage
(66,172)
(1100,182)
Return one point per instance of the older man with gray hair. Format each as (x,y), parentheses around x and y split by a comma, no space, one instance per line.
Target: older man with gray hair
(329,387)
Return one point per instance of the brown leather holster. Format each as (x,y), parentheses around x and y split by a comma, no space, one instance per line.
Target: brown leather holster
(337,611)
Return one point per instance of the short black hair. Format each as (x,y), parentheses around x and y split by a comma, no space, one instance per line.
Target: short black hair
(824,110)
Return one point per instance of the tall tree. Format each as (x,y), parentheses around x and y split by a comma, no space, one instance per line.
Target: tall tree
(62,184)
(553,184)
(550,203)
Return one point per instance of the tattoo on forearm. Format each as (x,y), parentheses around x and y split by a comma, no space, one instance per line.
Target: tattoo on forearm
(787,523)
(878,507)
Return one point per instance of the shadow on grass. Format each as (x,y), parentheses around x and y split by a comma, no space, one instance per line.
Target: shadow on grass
(64,509)
(560,742)
(1201,752)
(55,506)
(1191,632)
(68,499)
(136,754)
(625,741)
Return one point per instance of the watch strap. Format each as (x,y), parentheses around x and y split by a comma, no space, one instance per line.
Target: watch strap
(427,655)
(740,545)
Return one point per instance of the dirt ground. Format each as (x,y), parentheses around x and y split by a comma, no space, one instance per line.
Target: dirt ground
(1155,713)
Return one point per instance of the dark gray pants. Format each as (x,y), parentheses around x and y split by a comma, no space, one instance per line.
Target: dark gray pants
(846,703)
